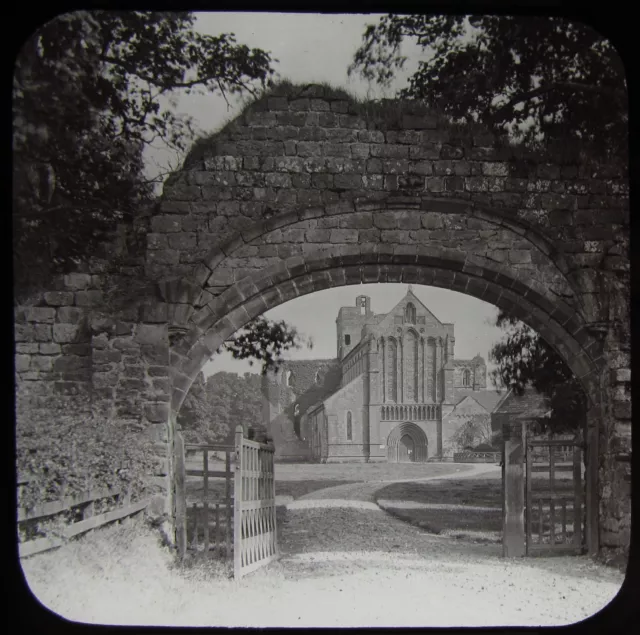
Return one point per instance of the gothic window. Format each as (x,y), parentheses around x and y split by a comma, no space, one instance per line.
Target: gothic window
(411,366)
(392,370)
(431,368)
(466,377)
(349,427)
(347,339)
(410,313)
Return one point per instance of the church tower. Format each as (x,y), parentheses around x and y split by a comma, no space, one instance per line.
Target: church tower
(349,325)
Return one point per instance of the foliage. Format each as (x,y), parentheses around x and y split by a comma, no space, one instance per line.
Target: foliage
(264,341)
(475,430)
(532,77)
(91,91)
(213,408)
(70,449)
(524,359)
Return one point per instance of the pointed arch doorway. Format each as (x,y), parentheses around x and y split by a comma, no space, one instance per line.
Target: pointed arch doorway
(407,443)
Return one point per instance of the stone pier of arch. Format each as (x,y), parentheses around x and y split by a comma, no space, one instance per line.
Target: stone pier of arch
(308,190)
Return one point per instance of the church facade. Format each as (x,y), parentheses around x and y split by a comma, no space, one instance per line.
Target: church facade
(390,394)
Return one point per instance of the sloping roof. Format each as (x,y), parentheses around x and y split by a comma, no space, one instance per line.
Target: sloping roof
(409,296)
(531,402)
(488,399)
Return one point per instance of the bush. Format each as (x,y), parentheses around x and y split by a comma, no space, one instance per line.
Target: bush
(69,448)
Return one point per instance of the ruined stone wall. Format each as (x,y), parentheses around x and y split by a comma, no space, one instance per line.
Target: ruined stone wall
(311,381)
(101,332)
(308,190)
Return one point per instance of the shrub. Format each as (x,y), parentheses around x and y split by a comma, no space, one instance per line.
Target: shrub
(70,448)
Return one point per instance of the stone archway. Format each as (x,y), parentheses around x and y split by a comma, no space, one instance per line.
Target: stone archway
(407,443)
(308,190)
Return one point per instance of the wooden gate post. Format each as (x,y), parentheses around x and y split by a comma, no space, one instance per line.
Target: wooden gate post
(237,505)
(513,535)
(180,496)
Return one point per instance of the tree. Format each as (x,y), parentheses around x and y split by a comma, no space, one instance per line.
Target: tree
(532,77)
(264,341)
(213,408)
(92,90)
(524,359)
(475,430)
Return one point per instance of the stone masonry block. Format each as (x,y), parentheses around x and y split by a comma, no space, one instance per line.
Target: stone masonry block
(64,333)
(154,334)
(44,315)
(58,298)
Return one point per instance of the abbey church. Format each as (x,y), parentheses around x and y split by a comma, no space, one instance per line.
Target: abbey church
(394,393)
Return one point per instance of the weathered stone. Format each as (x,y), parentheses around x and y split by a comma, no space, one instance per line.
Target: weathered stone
(155,334)
(58,298)
(76,349)
(69,363)
(40,314)
(166,223)
(77,281)
(22,363)
(344,236)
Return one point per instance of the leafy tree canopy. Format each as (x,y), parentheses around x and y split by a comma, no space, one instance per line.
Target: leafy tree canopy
(213,408)
(91,90)
(531,77)
(523,359)
(264,341)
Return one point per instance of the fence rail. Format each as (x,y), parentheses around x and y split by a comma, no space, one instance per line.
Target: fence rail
(84,506)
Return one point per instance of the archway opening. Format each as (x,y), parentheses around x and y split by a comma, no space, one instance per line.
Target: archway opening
(568,338)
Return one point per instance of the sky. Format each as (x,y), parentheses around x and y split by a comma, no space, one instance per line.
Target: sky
(314,316)
(319,48)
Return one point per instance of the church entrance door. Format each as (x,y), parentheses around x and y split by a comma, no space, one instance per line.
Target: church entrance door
(406,450)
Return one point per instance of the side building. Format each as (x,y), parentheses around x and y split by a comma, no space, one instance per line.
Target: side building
(390,394)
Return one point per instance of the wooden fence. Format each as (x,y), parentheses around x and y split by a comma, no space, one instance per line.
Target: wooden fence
(81,507)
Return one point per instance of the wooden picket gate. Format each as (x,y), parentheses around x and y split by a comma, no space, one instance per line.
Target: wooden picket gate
(242,499)
(204,517)
(554,511)
(543,504)
(255,530)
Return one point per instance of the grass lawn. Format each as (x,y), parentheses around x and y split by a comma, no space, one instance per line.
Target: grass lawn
(298,479)
(295,489)
(449,508)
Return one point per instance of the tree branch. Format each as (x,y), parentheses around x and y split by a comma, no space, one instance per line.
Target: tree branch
(543,90)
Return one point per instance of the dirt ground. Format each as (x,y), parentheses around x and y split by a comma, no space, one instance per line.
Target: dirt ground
(344,562)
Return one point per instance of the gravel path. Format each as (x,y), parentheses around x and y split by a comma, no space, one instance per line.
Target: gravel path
(345,563)
(339,549)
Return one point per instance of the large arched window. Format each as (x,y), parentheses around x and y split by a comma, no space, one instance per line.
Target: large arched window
(410,313)
(349,427)
(411,368)
(392,370)
(466,377)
